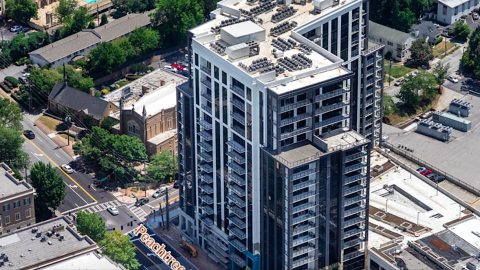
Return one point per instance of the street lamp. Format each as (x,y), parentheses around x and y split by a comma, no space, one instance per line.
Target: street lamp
(68,121)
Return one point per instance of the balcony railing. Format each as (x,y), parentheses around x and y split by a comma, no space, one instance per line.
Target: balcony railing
(207,108)
(237,222)
(207,199)
(238,129)
(331,94)
(238,245)
(237,157)
(296,118)
(206,168)
(355,156)
(303,261)
(303,185)
(205,146)
(354,167)
(239,261)
(237,190)
(352,243)
(239,180)
(206,125)
(236,146)
(208,84)
(208,189)
(353,200)
(352,255)
(331,107)
(237,90)
(332,120)
(295,132)
(237,168)
(354,210)
(240,118)
(353,221)
(295,105)
(303,174)
(352,232)
(206,178)
(207,210)
(303,196)
(238,104)
(237,211)
(302,207)
(301,251)
(354,178)
(237,232)
(206,95)
(237,200)
(207,221)
(302,240)
(302,229)
(205,156)
(206,69)
(353,189)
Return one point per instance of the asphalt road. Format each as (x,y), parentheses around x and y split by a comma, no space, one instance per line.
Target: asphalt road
(42,148)
(151,261)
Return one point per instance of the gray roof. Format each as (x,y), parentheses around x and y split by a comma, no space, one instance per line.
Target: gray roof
(387,33)
(89,37)
(79,101)
(9,185)
(452,3)
(426,29)
(25,250)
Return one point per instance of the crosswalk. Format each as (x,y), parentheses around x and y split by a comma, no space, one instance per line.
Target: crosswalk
(137,211)
(96,208)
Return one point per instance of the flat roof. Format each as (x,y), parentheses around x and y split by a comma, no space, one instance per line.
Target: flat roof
(91,260)
(9,185)
(163,136)
(453,117)
(339,138)
(304,152)
(162,98)
(242,29)
(452,3)
(25,249)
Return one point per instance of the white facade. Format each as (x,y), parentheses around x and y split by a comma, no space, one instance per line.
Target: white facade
(451,11)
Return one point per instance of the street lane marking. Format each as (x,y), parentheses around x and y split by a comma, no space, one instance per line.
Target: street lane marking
(78,207)
(146,256)
(475,203)
(57,155)
(64,173)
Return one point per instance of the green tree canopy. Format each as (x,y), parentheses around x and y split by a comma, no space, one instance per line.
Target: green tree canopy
(421,52)
(408,93)
(91,224)
(389,107)
(22,43)
(440,72)
(11,142)
(75,23)
(48,184)
(471,57)
(119,248)
(123,7)
(162,166)
(64,9)
(144,40)
(21,10)
(461,30)
(10,114)
(105,57)
(398,14)
(422,87)
(173,18)
(103,19)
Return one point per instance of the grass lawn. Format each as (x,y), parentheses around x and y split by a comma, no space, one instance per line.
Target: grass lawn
(398,70)
(122,83)
(407,112)
(51,123)
(65,136)
(388,78)
(440,48)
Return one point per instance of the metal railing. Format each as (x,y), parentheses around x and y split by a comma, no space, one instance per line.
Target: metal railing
(237,211)
(236,168)
(238,104)
(237,179)
(237,200)
(205,124)
(205,156)
(207,108)
(303,196)
(352,255)
(353,221)
(238,245)
(303,185)
(295,105)
(352,232)
(301,174)
(207,83)
(332,107)
(208,189)
(238,129)
(237,222)
(207,168)
(206,69)
(237,157)
(240,118)
(304,261)
(353,200)
(239,91)
(207,210)
(331,94)
(302,207)
(207,221)
(206,178)
(295,132)
(296,118)
(207,147)
(352,243)
(332,120)
(353,189)
(236,146)
(237,232)
(207,199)
(237,190)
(205,135)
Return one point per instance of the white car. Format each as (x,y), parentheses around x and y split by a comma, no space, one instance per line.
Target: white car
(475,16)
(16,28)
(157,194)
(113,210)
(67,168)
(453,79)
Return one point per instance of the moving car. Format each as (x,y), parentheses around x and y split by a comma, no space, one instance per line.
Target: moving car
(421,169)
(453,79)
(66,168)
(113,210)
(141,202)
(16,28)
(475,16)
(398,82)
(176,185)
(426,172)
(158,194)
(29,134)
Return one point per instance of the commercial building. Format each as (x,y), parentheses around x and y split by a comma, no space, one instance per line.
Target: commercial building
(43,244)
(16,202)
(272,163)
(76,46)
(451,11)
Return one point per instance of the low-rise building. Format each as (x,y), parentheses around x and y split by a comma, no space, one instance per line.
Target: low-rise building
(66,49)
(16,202)
(396,42)
(451,11)
(426,30)
(64,98)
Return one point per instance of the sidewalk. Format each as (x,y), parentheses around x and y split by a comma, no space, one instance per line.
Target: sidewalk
(61,142)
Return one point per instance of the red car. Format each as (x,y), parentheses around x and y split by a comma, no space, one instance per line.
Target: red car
(427,172)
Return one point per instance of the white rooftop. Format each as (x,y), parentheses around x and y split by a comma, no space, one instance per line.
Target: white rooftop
(241,29)
(9,185)
(154,102)
(452,3)
(163,136)
(89,261)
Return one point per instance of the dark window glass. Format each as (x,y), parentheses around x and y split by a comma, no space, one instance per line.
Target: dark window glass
(196,59)
(224,77)
(216,72)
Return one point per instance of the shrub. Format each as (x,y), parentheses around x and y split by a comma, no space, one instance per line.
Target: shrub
(91,25)
(22,87)
(451,32)
(16,173)
(12,80)
(5,88)
(105,91)
(438,40)
(142,188)
(463,16)
(388,55)
(135,68)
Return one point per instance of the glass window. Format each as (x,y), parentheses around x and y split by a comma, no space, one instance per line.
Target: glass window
(224,77)
(390,43)
(6,207)
(16,204)
(444,9)
(249,94)
(216,72)
(196,59)
(17,217)
(7,220)
(197,87)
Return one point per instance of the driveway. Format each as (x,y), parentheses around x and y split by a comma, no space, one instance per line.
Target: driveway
(473,24)
(13,70)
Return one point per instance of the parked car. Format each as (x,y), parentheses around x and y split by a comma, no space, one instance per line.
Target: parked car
(22,79)
(24,30)
(113,210)
(438,179)
(66,168)
(399,82)
(21,61)
(432,176)
(158,194)
(436,24)
(426,172)
(421,169)
(141,202)
(29,134)
(475,16)
(453,79)
(16,28)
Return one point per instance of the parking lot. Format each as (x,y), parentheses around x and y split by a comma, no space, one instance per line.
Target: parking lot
(459,156)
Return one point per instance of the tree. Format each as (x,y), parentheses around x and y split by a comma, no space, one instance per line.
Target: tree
(421,52)
(426,84)
(21,10)
(144,40)
(48,184)
(108,123)
(123,7)
(128,49)
(398,14)
(43,81)
(471,57)
(11,142)
(461,30)
(408,93)
(91,224)
(119,248)
(103,19)
(440,72)
(207,7)
(10,114)
(389,106)
(105,58)
(76,22)
(173,18)
(162,166)
(64,9)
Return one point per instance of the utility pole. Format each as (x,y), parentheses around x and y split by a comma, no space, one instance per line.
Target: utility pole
(29,96)
(166,209)
(390,73)
(161,213)
(68,120)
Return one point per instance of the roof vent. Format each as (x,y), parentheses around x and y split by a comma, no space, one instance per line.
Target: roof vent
(49,242)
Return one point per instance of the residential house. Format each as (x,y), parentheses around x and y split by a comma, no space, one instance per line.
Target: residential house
(451,11)
(426,30)
(64,98)
(16,202)
(80,44)
(396,42)
(152,119)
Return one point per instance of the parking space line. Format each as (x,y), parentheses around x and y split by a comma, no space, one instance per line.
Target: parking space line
(475,203)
